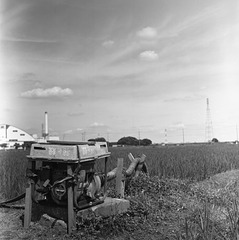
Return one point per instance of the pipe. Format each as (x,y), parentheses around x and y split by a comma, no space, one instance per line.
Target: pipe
(13,199)
(132,166)
(135,165)
(140,165)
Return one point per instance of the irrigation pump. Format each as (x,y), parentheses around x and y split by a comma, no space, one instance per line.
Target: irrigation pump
(63,174)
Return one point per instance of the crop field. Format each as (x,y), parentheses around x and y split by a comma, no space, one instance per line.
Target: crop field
(193,162)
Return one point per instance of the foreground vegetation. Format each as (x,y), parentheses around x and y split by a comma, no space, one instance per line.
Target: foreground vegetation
(161,209)
(173,209)
(183,198)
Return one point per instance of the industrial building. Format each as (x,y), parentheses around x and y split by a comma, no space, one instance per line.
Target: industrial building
(10,136)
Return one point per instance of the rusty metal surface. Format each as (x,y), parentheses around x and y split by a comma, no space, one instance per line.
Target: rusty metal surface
(69,152)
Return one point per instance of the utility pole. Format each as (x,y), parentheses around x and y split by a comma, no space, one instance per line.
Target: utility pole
(165,136)
(83,136)
(139,137)
(183,134)
(237,133)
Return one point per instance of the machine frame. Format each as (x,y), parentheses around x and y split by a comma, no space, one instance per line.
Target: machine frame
(75,163)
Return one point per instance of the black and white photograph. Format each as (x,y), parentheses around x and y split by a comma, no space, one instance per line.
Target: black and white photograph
(119,119)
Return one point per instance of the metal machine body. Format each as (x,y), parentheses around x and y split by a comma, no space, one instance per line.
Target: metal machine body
(48,171)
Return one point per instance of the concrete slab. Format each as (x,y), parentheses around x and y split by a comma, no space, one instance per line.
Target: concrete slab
(110,207)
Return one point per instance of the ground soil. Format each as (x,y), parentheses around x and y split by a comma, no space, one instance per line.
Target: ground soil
(10,224)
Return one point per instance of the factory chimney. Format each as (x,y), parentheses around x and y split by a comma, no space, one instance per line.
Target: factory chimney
(46,125)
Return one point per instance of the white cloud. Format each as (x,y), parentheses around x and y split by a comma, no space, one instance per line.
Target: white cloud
(96,124)
(147,33)
(108,43)
(148,56)
(68,132)
(45,93)
(27,40)
(72,131)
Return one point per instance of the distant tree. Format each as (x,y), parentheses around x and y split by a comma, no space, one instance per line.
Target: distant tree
(3,145)
(99,139)
(145,142)
(27,145)
(215,140)
(132,141)
(16,145)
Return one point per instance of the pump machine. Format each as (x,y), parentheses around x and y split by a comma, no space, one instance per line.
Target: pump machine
(56,166)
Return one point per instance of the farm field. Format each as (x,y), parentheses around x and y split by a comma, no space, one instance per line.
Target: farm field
(192,162)
(191,192)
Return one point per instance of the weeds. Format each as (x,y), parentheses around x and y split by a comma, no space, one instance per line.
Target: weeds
(161,205)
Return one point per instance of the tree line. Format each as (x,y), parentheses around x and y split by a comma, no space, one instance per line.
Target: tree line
(129,141)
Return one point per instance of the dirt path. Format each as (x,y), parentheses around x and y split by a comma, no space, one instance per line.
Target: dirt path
(10,224)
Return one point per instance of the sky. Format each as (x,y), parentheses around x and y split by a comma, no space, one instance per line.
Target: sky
(115,68)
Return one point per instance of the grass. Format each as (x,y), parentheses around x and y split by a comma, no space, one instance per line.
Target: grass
(194,162)
(190,194)
(13,164)
(172,209)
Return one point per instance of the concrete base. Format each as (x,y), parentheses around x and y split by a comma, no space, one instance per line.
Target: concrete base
(110,207)
(53,213)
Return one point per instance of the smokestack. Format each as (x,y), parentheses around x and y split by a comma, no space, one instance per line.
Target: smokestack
(46,125)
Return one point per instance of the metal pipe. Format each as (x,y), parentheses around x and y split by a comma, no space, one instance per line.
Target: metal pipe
(132,166)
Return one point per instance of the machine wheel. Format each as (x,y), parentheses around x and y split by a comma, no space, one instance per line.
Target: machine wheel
(59,194)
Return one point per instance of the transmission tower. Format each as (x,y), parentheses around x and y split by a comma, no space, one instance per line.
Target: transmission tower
(165,136)
(209,128)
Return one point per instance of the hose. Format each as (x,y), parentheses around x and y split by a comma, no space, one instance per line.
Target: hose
(5,203)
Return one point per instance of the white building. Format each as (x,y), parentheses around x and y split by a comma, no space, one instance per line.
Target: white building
(10,135)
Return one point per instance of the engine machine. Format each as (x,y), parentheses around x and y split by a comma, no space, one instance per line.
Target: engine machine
(55,166)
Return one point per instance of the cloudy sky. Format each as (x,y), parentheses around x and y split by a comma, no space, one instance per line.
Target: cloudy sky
(117,68)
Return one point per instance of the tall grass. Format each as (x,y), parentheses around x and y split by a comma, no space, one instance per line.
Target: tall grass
(13,164)
(195,162)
